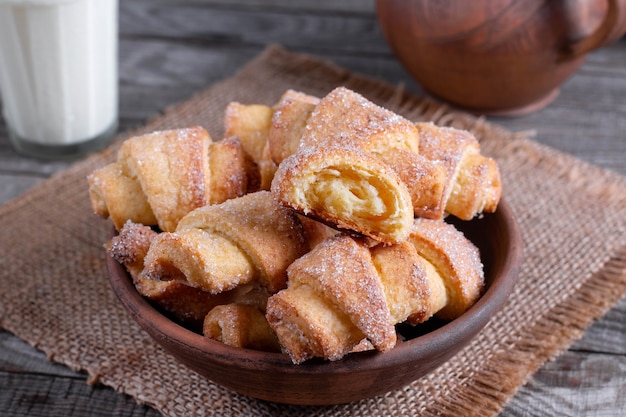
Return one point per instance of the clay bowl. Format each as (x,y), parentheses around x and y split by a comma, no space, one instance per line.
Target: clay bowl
(497,57)
(272,376)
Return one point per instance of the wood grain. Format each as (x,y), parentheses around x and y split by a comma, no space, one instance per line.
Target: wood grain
(170,49)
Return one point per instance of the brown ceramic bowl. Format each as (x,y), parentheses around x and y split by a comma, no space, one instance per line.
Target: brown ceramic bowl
(273,377)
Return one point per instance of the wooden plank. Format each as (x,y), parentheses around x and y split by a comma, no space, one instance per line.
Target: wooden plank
(42,395)
(302,6)
(18,356)
(359,34)
(588,119)
(577,384)
(606,335)
(30,385)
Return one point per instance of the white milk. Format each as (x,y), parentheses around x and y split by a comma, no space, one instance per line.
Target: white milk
(58,69)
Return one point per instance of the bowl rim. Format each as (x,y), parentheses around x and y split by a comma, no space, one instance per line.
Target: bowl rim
(463,327)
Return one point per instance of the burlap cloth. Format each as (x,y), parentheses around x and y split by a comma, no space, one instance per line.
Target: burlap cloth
(572,215)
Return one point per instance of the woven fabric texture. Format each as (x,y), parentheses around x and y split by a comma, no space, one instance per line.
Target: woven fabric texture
(572,216)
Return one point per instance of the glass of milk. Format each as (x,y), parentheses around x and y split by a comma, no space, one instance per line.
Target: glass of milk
(59,75)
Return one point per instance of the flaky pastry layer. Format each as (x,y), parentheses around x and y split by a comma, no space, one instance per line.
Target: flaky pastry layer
(347,188)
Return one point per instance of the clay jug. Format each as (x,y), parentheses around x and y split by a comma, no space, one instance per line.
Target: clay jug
(497,57)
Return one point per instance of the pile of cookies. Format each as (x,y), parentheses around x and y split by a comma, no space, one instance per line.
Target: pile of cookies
(314,226)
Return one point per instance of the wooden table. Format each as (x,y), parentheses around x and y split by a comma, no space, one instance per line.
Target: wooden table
(171,48)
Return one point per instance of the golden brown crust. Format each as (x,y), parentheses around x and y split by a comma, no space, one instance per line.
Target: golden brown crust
(187,304)
(344,117)
(444,174)
(161,176)
(308,325)
(118,196)
(290,117)
(477,188)
(171,167)
(270,235)
(322,270)
(347,289)
(229,170)
(437,294)
(346,188)
(455,258)
(473,180)
(199,259)
(251,124)
(324,303)
(130,246)
(240,325)
(405,281)
(445,144)
(425,180)
(441,167)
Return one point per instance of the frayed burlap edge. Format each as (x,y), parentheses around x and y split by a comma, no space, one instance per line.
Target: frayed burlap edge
(488,392)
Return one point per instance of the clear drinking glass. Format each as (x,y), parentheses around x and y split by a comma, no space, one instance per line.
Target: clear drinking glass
(59,75)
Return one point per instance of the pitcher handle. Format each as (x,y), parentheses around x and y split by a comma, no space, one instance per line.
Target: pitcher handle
(608,31)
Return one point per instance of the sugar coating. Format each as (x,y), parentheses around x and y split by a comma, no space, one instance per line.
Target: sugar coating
(347,118)
(171,167)
(269,234)
(455,257)
(132,243)
(341,269)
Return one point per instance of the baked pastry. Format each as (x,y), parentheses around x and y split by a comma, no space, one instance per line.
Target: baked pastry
(187,304)
(442,168)
(424,179)
(316,232)
(161,176)
(347,289)
(457,261)
(346,118)
(414,289)
(251,124)
(290,117)
(348,189)
(240,325)
(473,183)
(173,170)
(323,312)
(116,195)
(199,259)
(219,247)
(334,243)
(233,172)
(130,245)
